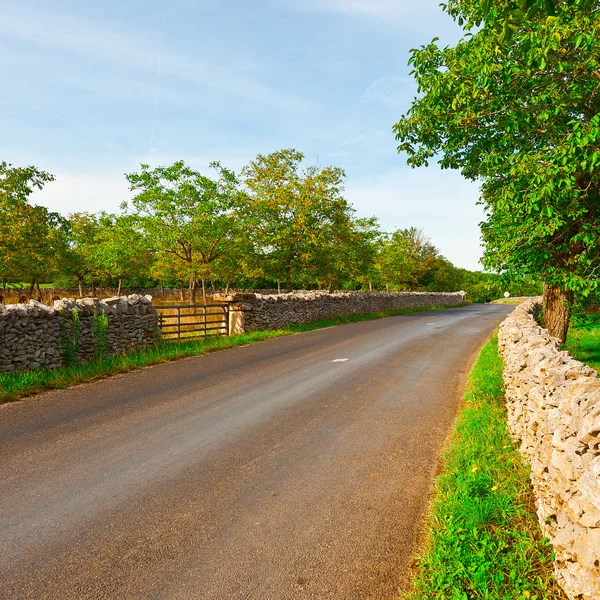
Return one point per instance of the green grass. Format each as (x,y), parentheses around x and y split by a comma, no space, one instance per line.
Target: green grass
(584,344)
(484,540)
(18,385)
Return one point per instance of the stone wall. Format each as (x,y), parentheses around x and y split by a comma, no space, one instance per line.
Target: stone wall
(34,335)
(553,405)
(273,311)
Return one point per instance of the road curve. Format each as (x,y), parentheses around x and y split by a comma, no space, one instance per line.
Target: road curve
(263,472)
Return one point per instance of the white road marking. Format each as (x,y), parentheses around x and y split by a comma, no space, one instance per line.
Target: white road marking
(340,360)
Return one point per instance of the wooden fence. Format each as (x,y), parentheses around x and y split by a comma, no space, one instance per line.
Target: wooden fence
(187,321)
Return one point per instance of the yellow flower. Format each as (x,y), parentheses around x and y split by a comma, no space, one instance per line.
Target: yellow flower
(494,488)
(526,594)
(475,467)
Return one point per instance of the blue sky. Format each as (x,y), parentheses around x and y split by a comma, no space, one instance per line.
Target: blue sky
(93,89)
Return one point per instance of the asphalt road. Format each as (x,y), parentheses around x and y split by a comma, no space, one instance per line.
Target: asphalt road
(264,472)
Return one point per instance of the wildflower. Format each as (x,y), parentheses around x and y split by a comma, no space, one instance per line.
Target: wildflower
(527,594)
(475,468)
(494,488)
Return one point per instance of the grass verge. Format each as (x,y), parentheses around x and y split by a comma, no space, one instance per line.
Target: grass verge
(484,539)
(18,385)
(584,344)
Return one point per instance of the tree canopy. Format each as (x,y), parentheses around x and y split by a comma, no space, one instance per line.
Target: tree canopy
(521,118)
(279,221)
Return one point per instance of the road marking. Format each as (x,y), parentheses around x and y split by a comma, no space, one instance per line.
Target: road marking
(340,360)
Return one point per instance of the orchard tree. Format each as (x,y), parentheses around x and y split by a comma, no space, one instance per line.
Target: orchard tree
(521,117)
(406,257)
(120,249)
(345,253)
(80,261)
(290,212)
(32,238)
(186,215)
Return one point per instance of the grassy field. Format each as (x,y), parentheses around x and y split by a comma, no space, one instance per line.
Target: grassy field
(584,345)
(18,385)
(484,540)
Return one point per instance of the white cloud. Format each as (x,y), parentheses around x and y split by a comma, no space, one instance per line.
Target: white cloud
(391,90)
(104,43)
(442,203)
(90,192)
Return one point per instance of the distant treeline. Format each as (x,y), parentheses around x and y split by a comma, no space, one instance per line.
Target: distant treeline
(275,225)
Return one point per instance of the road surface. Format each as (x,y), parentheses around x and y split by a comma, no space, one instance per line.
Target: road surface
(298,467)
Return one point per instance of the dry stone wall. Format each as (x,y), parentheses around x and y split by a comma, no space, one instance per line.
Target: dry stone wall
(273,311)
(553,405)
(34,335)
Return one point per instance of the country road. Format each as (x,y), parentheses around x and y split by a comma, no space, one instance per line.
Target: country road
(295,468)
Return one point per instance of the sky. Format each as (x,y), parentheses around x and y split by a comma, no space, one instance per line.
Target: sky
(93,89)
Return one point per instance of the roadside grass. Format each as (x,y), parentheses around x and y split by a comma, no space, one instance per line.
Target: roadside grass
(584,344)
(484,540)
(19,385)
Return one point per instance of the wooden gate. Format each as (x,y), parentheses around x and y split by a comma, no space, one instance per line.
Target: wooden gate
(188,321)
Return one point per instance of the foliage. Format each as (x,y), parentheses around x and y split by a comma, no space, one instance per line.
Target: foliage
(31,237)
(506,17)
(121,249)
(406,257)
(484,539)
(287,223)
(294,216)
(69,334)
(522,119)
(100,335)
(188,216)
(80,258)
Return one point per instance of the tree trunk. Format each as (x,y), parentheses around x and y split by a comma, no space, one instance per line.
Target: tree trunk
(120,285)
(557,311)
(181,290)
(288,280)
(227,287)
(162,289)
(203,291)
(31,288)
(93,289)
(192,290)
(80,283)
(331,287)
(39,296)
(370,286)
(387,287)
(278,286)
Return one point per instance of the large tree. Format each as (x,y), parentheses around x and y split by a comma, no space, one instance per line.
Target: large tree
(187,216)
(519,114)
(291,212)
(80,260)
(32,238)
(121,250)
(406,257)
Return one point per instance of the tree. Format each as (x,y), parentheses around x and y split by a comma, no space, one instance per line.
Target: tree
(186,215)
(121,249)
(406,257)
(506,17)
(292,212)
(345,252)
(80,258)
(522,119)
(32,238)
